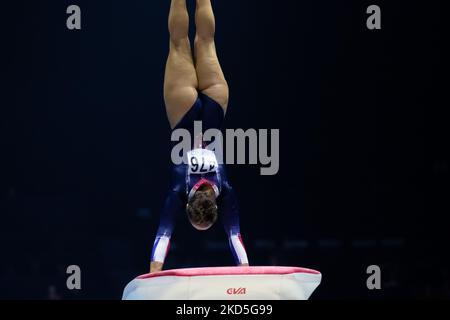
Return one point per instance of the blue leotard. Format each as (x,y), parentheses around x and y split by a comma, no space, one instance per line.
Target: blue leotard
(184,184)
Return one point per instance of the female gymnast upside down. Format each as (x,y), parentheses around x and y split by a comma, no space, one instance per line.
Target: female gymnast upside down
(195,89)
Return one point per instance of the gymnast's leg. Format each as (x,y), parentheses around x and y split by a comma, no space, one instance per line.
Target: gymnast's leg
(211,80)
(180,83)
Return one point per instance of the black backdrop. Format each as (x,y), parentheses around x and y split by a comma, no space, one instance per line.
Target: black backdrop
(364,162)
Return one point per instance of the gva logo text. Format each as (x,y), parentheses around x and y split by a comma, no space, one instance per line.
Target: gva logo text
(237,291)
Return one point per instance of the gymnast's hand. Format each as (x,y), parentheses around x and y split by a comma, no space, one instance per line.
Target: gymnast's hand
(156,267)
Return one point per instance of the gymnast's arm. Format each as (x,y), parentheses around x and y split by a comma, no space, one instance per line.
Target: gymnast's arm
(230,218)
(173,206)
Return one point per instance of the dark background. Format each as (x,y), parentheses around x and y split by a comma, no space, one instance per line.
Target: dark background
(364,159)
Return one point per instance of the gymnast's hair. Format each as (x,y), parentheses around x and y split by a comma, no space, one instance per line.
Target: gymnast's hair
(202,208)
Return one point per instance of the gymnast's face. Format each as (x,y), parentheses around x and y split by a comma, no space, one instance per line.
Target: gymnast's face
(202,208)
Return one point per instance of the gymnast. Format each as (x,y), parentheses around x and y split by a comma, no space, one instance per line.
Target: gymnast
(195,89)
